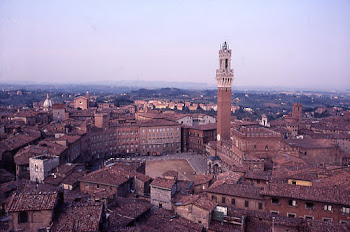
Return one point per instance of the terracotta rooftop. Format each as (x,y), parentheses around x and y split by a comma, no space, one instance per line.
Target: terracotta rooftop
(201,201)
(311,143)
(257,175)
(236,190)
(58,106)
(142,177)
(84,217)
(20,140)
(203,179)
(32,201)
(340,180)
(229,177)
(208,126)
(112,176)
(167,221)
(329,195)
(126,210)
(158,122)
(160,182)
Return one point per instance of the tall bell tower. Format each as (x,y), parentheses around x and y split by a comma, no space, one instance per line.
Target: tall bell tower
(224,79)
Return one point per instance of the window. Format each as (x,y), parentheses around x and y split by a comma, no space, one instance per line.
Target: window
(246,203)
(274,201)
(233,201)
(294,182)
(266,148)
(291,215)
(223,200)
(97,186)
(345,210)
(327,208)
(308,217)
(260,205)
(327,219)
(309,205)
(274,212)
(22,217)
(254,147)
(292,203)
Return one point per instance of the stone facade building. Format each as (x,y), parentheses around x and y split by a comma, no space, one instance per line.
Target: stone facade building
(162,191)
(41,166)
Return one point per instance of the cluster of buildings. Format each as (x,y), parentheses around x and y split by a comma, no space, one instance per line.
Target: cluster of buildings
(179,106)
(290,174)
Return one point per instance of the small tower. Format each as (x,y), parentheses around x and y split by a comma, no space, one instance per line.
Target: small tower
(224,79)
(264,122)
(297,111)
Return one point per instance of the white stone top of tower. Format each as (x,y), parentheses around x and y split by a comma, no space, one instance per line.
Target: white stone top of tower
(48,102)
(224,75)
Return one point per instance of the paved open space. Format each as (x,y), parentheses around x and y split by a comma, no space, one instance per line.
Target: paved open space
(156,168)
(185,163)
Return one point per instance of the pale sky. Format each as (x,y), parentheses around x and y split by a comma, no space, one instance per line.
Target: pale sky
(293,43)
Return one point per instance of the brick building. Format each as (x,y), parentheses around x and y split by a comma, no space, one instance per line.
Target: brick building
(82,102)
(111,181)
(237,195)
(326,204)
(196,208)
(317,152)
(58,112)
(159,137)
(196,138)
(33,211)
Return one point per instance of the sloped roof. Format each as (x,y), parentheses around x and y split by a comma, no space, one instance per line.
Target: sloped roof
(32,201)
(201,201)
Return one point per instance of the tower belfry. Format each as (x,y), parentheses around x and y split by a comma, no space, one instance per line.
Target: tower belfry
(224,79)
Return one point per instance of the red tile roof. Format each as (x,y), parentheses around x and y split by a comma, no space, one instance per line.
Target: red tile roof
(203,179)
(238,190)
(201,201)
(164,220)
(83,217)
(113,176)
(32,201)
(160,182)
(143,177)
(329,195)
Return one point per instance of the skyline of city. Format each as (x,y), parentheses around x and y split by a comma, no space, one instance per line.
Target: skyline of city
(300,45)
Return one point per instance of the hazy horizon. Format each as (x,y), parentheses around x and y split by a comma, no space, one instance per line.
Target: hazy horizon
(291,44)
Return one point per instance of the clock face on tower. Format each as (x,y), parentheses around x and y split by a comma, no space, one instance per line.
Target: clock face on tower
(218,137)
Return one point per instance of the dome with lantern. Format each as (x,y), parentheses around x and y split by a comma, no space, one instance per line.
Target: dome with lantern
(47,103)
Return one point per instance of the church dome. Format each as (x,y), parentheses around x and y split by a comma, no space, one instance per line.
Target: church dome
(48,102)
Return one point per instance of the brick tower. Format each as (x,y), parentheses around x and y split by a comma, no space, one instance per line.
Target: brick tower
(224,79)
(297,111)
